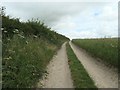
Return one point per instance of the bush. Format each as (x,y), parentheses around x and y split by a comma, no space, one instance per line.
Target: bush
(27,49)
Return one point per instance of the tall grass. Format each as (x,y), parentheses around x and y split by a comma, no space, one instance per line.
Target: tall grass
(24,61)
(106,48)
(27,48)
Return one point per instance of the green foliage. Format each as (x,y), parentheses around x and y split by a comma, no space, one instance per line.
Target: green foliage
(80,77)
(106,49)
(31,27)
(24,61)
(27,49)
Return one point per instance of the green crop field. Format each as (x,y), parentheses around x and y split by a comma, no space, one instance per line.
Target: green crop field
(105,49)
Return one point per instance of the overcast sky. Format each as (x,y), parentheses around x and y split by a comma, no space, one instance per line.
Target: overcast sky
(72,19)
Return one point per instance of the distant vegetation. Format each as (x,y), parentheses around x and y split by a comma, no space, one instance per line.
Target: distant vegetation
(27,49)
(80,77)
(105,48)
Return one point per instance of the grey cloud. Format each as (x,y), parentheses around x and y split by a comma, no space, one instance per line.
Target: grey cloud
(55,14)
(49,12)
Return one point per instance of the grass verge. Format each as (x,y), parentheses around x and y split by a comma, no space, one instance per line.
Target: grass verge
(25,60)
(80,77)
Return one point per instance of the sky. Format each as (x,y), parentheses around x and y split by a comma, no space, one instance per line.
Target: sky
(73,18)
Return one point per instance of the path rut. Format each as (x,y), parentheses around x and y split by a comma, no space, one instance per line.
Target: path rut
(59,73)
(103,76)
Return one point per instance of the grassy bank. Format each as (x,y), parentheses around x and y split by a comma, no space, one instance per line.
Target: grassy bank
(27,49)
(80,77)
(106,48)
(24,63)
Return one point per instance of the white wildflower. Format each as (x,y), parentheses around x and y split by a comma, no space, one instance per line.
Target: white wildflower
(5,31)
(8,39)
(26,42)
(21,36)
(112,45)
(8,58)
(33,73)
(16,31)
(35,36)
(2,29)
(12,51)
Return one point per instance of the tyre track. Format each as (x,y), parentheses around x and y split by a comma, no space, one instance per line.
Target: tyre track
(103,76)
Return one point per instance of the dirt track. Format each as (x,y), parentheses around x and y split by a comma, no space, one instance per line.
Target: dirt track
(103,76)
(58,71)
(59,75)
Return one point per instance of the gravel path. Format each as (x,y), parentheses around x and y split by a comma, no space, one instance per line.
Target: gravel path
(59,75)
(103,76)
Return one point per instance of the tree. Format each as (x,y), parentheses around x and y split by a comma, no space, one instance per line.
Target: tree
(2,11)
